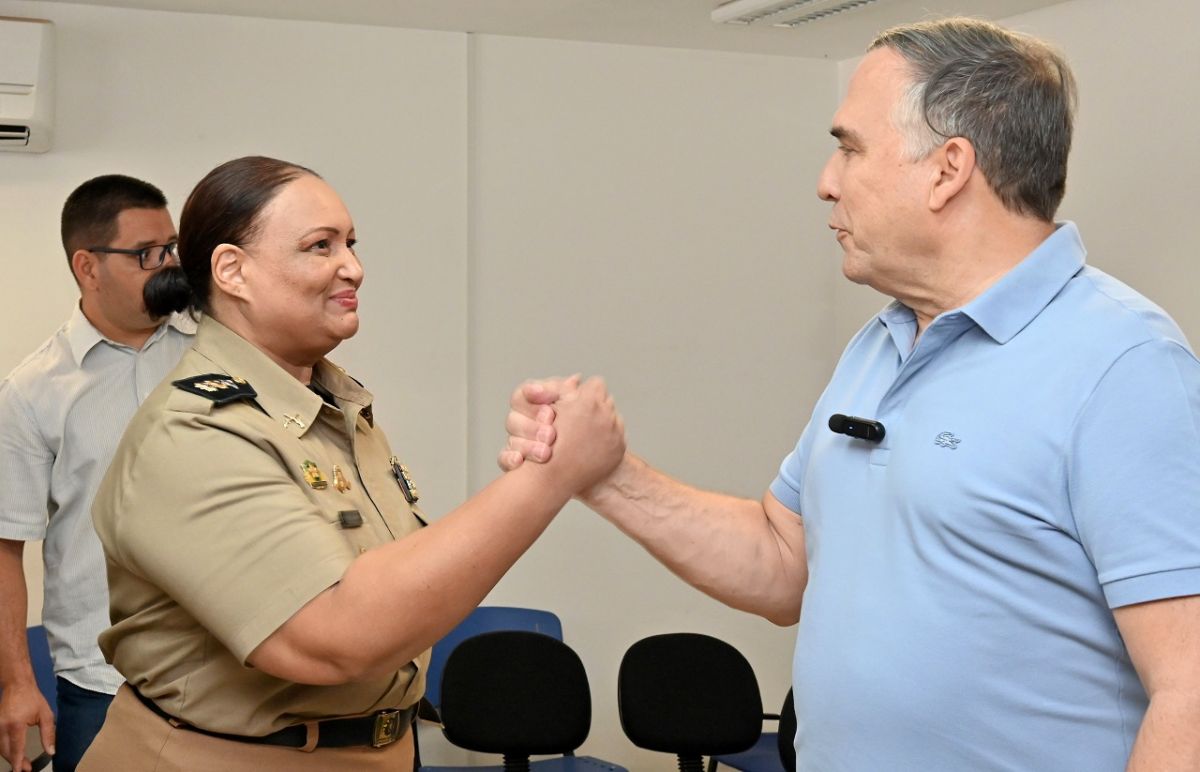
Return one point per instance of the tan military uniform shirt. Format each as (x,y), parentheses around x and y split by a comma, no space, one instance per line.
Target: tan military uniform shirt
(220,521)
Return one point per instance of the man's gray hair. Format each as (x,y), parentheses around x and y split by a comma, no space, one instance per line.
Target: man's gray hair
(1012,96)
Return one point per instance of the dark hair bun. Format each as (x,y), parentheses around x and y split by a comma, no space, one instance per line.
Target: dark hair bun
(168,291)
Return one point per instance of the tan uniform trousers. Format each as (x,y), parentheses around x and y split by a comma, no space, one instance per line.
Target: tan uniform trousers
(135,740)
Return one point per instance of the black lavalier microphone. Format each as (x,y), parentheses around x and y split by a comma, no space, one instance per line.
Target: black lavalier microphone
(862,428)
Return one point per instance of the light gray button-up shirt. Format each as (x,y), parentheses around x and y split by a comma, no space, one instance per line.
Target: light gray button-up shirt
(62,412)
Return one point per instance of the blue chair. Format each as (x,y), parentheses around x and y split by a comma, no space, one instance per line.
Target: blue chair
(43,666)
(503,682)
(774,751)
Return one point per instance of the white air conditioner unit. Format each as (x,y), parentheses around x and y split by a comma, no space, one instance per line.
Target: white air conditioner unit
(26,84)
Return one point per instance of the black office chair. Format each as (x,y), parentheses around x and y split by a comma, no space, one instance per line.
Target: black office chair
(484,619)
(518,694)
(688,694)
(774,751)
(787,733)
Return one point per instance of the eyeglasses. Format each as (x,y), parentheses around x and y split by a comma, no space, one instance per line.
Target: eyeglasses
(149,257)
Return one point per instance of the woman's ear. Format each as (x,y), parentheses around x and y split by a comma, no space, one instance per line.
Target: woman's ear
(228,262)
(954,165)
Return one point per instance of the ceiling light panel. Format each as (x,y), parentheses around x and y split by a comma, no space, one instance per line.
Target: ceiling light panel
(782,13)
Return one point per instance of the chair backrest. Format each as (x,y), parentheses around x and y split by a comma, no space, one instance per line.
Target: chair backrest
(787,733)
(485,619)
(43,666)
(515,693)
(688,694)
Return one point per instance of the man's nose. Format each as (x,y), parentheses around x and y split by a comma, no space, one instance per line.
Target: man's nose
(827,182)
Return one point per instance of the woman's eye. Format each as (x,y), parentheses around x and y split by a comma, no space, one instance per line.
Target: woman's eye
(350,243)
(323,244)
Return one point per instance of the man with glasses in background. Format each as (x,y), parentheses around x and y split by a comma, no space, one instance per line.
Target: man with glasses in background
(62,412)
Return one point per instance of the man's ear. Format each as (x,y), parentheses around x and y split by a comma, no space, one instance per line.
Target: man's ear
(954,163)
(84,265)
(228,264)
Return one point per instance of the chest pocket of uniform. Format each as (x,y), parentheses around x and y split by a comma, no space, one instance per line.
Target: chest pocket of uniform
(336,491)
(351,524)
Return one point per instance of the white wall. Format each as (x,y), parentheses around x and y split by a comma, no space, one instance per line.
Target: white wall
(644,214)
(1132,185)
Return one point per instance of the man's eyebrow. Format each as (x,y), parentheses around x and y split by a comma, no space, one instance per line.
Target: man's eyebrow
(842,134)
(153,242)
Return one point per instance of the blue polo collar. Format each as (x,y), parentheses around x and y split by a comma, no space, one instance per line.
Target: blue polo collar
(1005,308)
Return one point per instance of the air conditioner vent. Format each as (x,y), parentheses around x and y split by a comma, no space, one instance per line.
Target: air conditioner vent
(782,13)
(11,134)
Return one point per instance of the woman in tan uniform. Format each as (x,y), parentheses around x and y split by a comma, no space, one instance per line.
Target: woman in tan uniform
(273,592)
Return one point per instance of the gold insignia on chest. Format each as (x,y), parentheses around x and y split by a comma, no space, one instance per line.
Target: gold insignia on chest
(313,476)
(404,480)
(339,480)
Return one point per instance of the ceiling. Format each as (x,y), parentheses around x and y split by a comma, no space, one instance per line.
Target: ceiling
(670,23)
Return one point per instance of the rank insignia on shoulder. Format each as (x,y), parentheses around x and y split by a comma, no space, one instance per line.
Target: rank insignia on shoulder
(221,389)
(313,476)
(404,480)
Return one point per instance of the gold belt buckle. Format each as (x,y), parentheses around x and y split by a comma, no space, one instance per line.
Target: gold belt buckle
(387,728)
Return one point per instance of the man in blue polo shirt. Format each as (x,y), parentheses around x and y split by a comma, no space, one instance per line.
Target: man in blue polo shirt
(1008,577)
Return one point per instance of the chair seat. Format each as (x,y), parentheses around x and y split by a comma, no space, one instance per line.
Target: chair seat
(563,764)
(763,757)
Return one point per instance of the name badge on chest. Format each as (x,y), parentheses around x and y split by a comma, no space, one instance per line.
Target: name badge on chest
(404,480)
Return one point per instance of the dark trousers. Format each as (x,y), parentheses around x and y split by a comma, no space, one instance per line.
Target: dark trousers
(80,715)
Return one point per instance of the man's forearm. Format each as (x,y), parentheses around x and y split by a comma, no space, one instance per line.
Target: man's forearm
(1169,739)
(14,653)
(729,548)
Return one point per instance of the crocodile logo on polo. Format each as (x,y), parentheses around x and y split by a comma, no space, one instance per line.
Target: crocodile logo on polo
(946,440)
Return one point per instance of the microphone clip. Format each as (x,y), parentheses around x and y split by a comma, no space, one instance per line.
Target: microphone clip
(853,426)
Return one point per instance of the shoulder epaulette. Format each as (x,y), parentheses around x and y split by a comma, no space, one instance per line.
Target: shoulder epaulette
(221,389)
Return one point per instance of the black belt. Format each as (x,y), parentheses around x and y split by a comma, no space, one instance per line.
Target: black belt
(377,730)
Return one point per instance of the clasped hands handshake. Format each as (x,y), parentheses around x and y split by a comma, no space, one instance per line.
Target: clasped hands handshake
(571,426)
